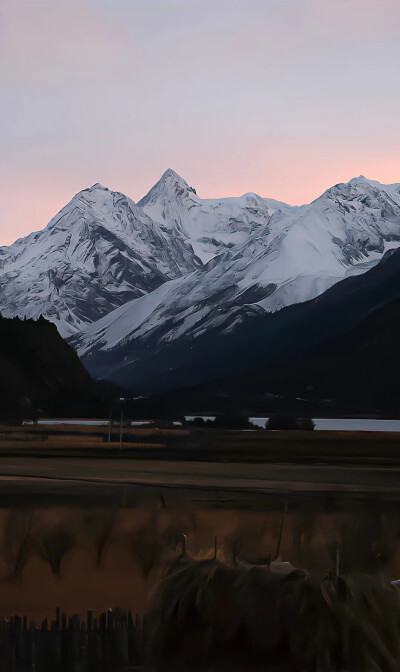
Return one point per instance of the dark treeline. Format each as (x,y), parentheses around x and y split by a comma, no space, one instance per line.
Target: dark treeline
(41,375)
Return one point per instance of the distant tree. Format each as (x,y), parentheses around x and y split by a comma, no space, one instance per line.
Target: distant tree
(288,422)
(198,422)
(232,421)
(281,422)
(307,424)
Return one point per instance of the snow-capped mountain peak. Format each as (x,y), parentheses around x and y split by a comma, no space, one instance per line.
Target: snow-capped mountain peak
(115,274)
(210,226)
(98,252)
(97,185)
(170,186)
(271,257)
(361,179)
(170,174)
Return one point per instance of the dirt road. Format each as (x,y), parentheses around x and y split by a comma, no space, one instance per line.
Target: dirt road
(366,481)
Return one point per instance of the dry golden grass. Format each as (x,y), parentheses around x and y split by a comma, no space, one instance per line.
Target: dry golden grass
(108,555)
(206,611)
(300,444)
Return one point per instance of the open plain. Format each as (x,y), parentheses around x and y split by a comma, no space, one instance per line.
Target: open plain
(85,523)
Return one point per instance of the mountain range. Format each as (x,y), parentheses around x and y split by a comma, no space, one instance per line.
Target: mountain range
(152,295)
(336,354)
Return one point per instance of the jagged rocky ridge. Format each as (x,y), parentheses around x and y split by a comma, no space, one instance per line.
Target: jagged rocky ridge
(99,252)
(123,281)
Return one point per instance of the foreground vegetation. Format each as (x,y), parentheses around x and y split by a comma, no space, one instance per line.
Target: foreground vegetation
(212,613)
(204,443)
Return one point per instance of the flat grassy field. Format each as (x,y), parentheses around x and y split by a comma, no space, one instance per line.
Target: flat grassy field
(203,444)
(86,524)
(207,464)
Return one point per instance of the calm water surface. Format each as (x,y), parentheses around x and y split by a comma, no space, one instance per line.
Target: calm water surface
(336,424)
(326,424)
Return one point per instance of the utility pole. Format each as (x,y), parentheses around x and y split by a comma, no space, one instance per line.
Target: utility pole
(109,427)
(122,418)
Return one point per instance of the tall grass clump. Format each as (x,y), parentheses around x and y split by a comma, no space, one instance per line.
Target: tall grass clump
(17,542)
(208,612)
(193,619)
(53,544)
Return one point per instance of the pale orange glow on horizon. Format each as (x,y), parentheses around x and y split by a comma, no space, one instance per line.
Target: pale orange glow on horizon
(281,97)
(33,212)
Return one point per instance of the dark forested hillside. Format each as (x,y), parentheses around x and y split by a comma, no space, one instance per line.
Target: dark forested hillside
(335,354)
(40,373)
(355,372)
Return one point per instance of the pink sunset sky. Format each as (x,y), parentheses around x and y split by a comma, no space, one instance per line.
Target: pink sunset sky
(280,97)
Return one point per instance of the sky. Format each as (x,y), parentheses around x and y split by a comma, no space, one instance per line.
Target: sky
(281,97)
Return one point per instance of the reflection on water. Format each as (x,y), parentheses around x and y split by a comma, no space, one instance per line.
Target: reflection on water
(79,558)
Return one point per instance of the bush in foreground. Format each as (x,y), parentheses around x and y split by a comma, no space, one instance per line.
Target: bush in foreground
(208,610)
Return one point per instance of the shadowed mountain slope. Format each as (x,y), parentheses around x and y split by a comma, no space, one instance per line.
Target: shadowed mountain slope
(40,374)
(336,351)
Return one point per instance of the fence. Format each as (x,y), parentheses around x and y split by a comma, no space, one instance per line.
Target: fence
(110,642)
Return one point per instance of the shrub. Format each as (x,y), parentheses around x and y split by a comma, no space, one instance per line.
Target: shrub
(206,610)
(232,421)
(53,546)
(198,422)
(17,543)
(307,424)
(289,422)
(281,422)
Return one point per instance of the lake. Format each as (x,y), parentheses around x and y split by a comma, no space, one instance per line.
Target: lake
(321,424)
(335,424)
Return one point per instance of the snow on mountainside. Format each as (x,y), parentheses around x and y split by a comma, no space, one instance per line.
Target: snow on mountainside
(100,251)
(211,226)
(115,275)
(295,255)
